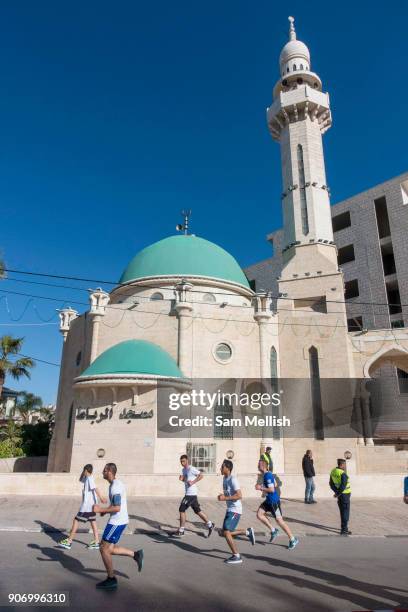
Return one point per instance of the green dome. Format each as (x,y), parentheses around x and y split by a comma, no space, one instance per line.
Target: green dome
(134,357)
(184,256)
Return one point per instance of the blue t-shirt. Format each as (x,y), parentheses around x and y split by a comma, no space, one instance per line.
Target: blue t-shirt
(406,485)
(268,480)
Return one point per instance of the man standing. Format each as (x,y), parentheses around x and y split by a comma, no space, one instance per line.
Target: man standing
(266,456)
(309,473)
(232,496)
(406,489)
(118,520)
(272,505)
(191,476)
(340,485)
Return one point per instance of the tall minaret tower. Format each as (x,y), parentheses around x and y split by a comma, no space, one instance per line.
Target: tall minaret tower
(298,117)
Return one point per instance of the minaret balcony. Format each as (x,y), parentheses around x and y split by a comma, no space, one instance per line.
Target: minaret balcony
(297,105)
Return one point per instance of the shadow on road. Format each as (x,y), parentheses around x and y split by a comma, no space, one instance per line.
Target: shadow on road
(337,585)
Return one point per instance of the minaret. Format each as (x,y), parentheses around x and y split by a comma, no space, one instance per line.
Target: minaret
(298,117)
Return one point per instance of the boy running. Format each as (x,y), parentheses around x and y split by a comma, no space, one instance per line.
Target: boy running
(190,476)
(272,505)
(90,496)
(117,522)
(232,496)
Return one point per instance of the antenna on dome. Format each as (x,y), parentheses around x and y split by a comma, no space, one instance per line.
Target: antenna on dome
(183,227)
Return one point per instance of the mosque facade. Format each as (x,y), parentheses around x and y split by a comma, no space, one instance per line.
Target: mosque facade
(184,310)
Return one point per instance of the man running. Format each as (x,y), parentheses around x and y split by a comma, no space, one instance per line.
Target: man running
(191,476)
(90,495)
(232,496)
(117,522)
(272,505)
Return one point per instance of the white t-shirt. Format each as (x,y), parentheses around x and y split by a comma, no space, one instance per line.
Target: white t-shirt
(117,497)
(190,473)
(89,497)
(231,486)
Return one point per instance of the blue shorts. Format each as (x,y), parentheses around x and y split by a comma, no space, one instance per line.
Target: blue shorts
(112,533)
(231,521)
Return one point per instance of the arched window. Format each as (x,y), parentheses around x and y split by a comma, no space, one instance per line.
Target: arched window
(223,431)
(303,200)
(209,298)
(287,69)
(155,297)
(71,412)
(294,67)
(301,66)
(317,409)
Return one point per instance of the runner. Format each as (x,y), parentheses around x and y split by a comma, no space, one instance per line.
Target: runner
(190,476)
(117,522)
(272,505)
(90,496)
(232,495)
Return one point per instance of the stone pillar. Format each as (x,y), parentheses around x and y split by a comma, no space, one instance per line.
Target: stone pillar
(99,299)
(263,316)
(66,316)
(184,309)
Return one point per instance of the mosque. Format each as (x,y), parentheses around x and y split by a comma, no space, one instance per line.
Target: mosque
(184,310)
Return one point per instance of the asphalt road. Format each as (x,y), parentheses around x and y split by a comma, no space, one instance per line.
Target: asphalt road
(324,573)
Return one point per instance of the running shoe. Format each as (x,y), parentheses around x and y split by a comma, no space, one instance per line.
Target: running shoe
(234,560)
(293,543)
(345,533)
(274,534)
(94,545)
(251,535)
(65,543)
(138,556)
(210,529)
(108,584)
(178,533)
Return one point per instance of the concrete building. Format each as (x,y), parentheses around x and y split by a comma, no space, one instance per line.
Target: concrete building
(184,310)
(370,232)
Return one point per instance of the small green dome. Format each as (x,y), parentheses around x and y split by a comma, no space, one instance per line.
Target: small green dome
(134,357)
(184,256)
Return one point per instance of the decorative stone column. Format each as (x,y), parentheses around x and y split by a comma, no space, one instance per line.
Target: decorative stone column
(262,316)
(98,299)
(184,309)
(66,316)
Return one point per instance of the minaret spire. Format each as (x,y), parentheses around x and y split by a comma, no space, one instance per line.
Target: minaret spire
(292,31)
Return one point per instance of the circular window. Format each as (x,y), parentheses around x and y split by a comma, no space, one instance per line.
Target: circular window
(209,298)
(156,296)
(100,453)
(223,351)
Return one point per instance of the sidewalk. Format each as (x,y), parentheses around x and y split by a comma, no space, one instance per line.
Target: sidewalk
(369,517)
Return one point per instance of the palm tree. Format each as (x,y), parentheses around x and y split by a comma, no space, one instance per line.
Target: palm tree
(17,368)
(27,405)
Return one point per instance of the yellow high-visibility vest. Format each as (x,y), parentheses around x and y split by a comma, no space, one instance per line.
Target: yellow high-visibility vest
(335,475)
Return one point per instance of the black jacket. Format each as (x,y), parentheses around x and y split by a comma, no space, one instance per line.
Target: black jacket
(307,466)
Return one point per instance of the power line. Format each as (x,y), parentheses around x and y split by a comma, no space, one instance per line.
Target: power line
(39,360)
(278,323)
(274,297)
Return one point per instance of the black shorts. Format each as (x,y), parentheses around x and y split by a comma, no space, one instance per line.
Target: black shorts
(274,508)
(83,517)
(190,501)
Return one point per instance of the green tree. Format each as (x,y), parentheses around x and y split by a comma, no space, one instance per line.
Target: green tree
(36,438)
(26,404)
(9,347)
(11,440)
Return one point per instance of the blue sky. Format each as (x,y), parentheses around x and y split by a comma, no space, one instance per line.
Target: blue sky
(114,116)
